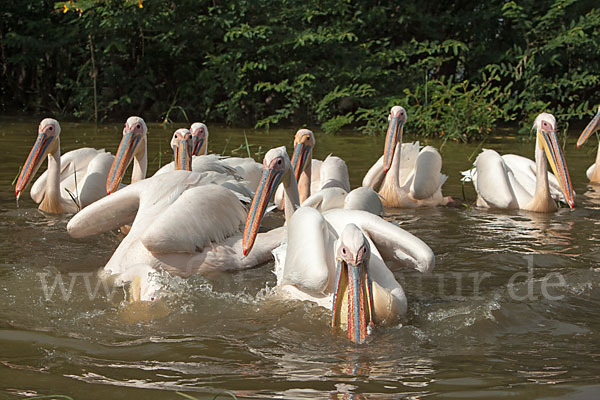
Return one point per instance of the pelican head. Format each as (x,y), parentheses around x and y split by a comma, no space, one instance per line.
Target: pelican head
(199,138)
(276,164)
(45,144)
(134,133)
(547,139)
(181,143)
(397,119)
(353,293)
(304,142)
(592,127)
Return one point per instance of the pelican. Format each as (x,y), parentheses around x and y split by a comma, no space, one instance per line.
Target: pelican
(326,183)
(246,168)
(354,239)
(306,169)
(182,143)
(72,181)
(184,222)
(515,182)
(406,176)
(199,139)
(593,172)
(134,147)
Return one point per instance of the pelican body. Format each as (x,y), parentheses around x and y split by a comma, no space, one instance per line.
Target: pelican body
(593,172)
(182,222)
(406,176)
(355,241)
(72,181)
(515,182)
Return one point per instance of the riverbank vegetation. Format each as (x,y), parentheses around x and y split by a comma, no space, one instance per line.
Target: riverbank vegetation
(459,69)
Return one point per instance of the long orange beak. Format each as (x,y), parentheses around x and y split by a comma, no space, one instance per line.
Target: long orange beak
(391,139)
(302,152)
(39,151)
(125,152)
(353,300)
(549,141)
(183,155)
(589,129)
(268,182)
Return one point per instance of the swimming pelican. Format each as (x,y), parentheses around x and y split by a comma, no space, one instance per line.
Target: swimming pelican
(515,182)
(306,265)
(81,172)
(313,176)
(134,147)
(593,172)
(199,139)
(184,222)
(245,167)
(182,143)
(406,176)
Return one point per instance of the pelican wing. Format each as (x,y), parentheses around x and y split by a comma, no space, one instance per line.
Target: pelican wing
(93,186)
(396,246)
(75,160)
(200,164)
(108,213)
(315,177)
(366,199)
(492,181)
(326,199)
(524,171)
(408,160)
(247,168)
(200,215)
(309,259)
(427,176)
(334,173)
(375,175)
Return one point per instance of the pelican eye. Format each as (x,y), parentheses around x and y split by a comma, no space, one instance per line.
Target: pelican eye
(50,128)
(279,162)
(138,126)
(343,250)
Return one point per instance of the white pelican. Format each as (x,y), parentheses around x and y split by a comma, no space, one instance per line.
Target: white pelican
(184,222)
(246,168)
(306,265)
(326,183)
(199,139)
(81,172)
(134,147)
(182,143)
(406,176)
(593,172)
(515,182)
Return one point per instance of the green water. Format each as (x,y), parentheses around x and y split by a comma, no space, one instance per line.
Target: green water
(474,328)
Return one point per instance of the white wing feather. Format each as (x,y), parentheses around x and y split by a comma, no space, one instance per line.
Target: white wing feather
(427,175)
(187,224)
(492,182)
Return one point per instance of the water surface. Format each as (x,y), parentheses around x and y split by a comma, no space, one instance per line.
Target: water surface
(474,329)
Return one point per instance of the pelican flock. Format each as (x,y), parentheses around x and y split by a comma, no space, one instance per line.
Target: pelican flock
(203,212)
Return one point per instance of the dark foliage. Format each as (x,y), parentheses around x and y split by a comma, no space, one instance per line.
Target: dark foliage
(458,69)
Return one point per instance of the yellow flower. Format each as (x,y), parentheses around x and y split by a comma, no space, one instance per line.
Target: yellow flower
(140,5)
(65,9)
